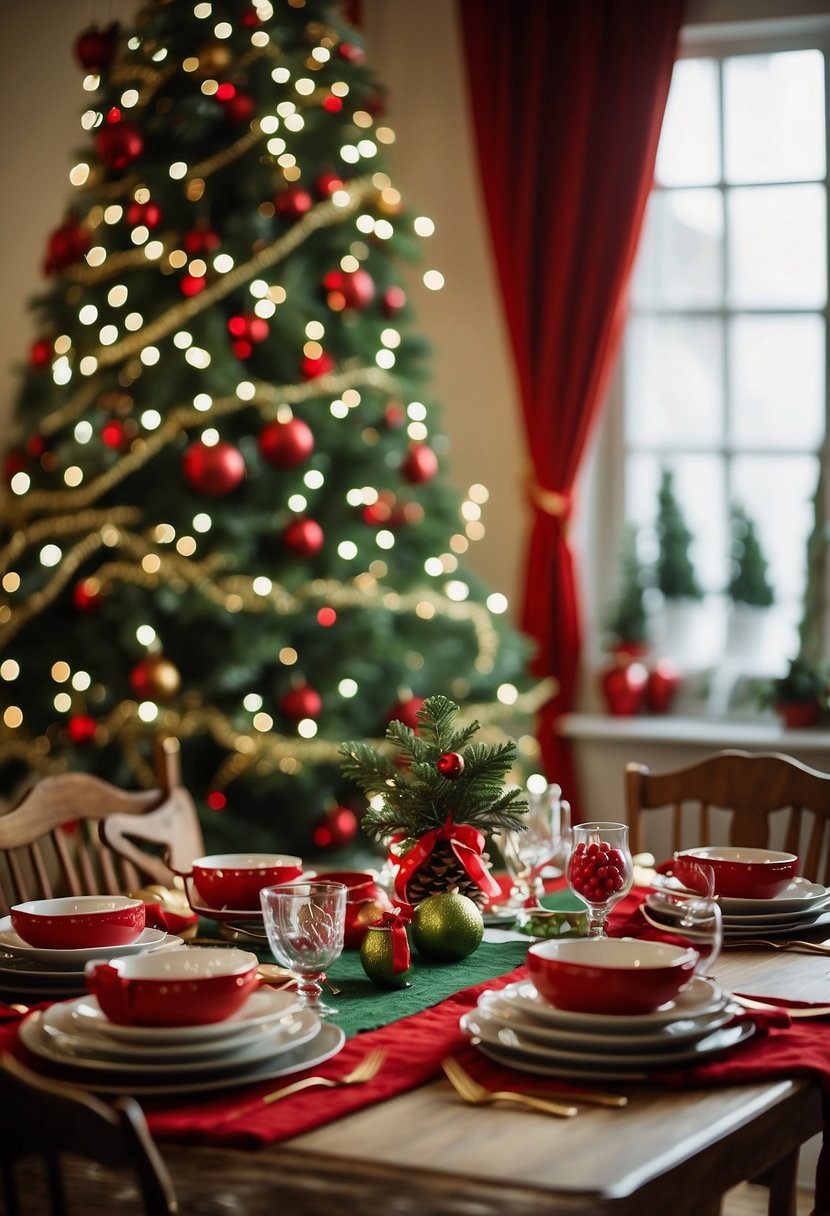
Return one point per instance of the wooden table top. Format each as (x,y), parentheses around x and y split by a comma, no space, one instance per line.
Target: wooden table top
(427,1153)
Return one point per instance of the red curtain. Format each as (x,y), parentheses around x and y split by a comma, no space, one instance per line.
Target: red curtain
(567,101)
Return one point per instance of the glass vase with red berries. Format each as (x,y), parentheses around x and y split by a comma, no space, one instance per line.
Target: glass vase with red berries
(600,870)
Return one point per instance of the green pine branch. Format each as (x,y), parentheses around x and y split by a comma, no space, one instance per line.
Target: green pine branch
(415,797)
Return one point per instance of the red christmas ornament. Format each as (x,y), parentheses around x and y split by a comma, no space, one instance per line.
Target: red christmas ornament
(36,445)
(311,368)
(421,464)
(662,685)
(349,289)
(406,712)
(86,595)
(149,214)
(215,470)
(378,513)
(335,829)
(333,104)
(202,240)
(623,686)
(301,702)
(192,284)
(394,299)
(293,203)
(286,444)
(303,536)
(66,245)
(251,19)
(40,354)
(239,108)
(81,728)
(114,434)
(94,48)
(450,765)
(247,329)
(155,678)
(351,52)
(327,183)
(118,144)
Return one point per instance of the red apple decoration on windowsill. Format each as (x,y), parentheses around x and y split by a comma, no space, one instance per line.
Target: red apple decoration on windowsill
(623,687)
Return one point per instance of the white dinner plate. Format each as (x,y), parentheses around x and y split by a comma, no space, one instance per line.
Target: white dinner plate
(21,966)
(75,960)
(322,1047)
(700,996)
(667,1035)
(799,894)
(477,1024)
(777,918)
(720,1041)
(44,1037)
(262,1006)
(782,928)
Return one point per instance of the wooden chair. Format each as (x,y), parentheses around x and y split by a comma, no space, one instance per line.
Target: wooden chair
(43,1118)
(761,800)
(74,834)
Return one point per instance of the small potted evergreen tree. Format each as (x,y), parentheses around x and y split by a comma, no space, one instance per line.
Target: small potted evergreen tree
(749,590)
(675,575)
(800,696)
(626,623)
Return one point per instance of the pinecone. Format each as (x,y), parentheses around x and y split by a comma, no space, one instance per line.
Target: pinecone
(442,871)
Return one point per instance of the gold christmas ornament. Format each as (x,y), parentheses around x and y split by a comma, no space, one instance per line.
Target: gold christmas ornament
(378,961)
(447,927)
(155,678)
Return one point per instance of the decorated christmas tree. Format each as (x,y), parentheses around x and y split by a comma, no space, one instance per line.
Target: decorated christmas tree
(675,574)
(227,513)
(435,796)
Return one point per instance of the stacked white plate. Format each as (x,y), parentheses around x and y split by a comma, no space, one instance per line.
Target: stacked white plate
(801,905)
(48,974)
(517,1027)
(270,1036)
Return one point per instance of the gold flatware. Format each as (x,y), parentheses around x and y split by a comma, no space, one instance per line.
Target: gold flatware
(478,1095)
(788,944)
(592,1098)
(368,1068)
(798,1011)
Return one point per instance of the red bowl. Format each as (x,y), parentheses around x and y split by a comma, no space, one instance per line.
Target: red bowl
(79,922)
(365,901)
(234,880)
(746,873)
(609,975)
(173,987)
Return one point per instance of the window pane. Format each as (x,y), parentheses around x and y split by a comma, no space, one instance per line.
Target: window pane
(681,260)
(783,519)
(777,248)
(776,367)
(774,117)
(700,490)
(689,150)
(673,381)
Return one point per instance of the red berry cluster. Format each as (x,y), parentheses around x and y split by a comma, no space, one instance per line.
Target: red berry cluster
(597,872)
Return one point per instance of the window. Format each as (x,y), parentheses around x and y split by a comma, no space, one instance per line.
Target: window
(724,360)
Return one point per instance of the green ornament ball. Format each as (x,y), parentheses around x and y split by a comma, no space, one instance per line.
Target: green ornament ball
(447,927)
(376,959)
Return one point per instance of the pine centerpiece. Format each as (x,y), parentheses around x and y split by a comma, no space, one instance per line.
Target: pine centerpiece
(436,801)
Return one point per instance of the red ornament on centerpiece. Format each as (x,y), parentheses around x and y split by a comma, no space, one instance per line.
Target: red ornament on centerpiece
(286,444)
(213,470)
(450,765)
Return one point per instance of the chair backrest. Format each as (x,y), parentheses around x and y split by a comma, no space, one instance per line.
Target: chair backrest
(44,1118)
(768,800)
(74,834)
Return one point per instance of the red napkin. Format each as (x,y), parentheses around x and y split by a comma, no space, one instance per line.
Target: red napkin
(157,917)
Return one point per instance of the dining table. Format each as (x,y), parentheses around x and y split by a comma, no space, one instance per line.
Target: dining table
(407,1143)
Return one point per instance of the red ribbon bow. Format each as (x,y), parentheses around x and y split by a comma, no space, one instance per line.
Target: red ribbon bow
(467,844)
(396,919)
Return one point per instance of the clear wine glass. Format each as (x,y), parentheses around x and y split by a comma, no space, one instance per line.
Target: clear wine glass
(600,870)
(542,844)
(305,923)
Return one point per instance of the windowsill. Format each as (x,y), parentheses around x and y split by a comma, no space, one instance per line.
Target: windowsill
(708,732)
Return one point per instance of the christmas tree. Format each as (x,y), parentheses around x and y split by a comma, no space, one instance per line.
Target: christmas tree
(675,574)
(748,582)
(227,514)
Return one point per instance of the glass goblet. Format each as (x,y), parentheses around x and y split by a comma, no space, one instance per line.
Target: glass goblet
(541,844)
(600,869)
(686,920)
(305,923)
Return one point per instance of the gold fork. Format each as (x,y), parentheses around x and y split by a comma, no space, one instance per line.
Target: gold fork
(368,1068)
(787,944)
(471,1091)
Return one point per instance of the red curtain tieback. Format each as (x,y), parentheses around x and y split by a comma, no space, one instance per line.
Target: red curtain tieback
(549,502)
